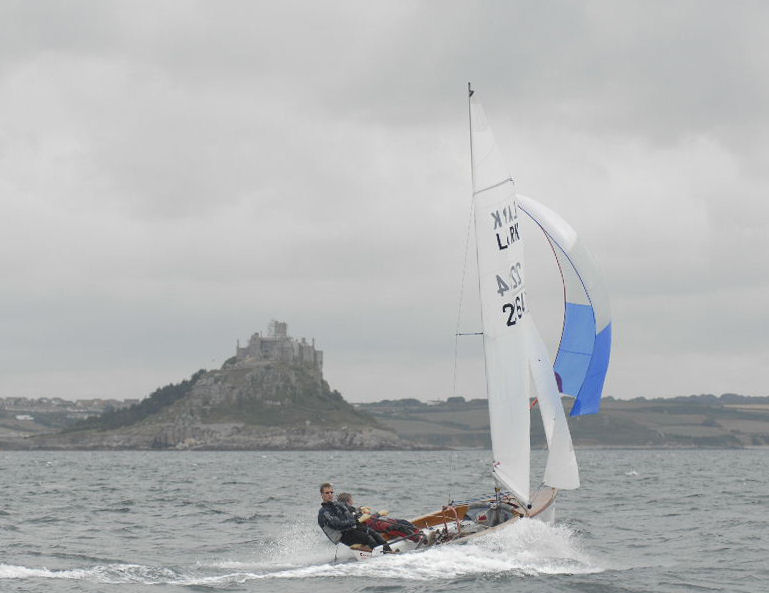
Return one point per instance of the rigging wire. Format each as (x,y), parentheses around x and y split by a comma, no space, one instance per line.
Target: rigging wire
(457,333)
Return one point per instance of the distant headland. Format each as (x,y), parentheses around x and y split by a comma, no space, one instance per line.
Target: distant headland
(272,395)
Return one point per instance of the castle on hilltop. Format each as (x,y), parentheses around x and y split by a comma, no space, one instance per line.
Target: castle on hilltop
(277,345)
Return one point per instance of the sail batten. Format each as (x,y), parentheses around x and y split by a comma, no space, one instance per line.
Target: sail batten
(480,191)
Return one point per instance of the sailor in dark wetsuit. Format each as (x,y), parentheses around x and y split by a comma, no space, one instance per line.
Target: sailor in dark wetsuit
(340,525)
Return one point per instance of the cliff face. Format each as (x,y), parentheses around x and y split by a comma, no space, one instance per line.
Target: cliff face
(269,394)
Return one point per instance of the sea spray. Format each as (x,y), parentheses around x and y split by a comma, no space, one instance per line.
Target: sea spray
(298,545)
(528,547)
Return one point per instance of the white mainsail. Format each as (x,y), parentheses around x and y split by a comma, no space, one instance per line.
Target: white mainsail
(517,363)
(503,307)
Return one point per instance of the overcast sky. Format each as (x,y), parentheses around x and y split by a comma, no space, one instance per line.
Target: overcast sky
(174,175)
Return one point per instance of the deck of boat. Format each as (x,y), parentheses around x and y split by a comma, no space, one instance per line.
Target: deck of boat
(452,519)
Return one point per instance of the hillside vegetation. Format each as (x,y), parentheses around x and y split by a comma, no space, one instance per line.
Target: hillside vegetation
(730,421)
(159,399)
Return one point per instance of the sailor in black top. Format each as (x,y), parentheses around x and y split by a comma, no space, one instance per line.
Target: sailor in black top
(340,525)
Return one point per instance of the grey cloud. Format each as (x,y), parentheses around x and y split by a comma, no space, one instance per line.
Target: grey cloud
(173,175)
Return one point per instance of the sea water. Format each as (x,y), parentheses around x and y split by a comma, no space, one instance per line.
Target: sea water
(651,521)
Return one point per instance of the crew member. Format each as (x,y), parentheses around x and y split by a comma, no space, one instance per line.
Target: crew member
(388,527)
(340,525)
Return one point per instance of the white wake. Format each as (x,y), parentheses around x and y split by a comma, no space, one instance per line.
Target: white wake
(528,547)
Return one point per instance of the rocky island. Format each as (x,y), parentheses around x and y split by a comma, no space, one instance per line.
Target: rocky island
(270,395)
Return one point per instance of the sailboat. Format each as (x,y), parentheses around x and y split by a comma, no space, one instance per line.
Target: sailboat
(518,365)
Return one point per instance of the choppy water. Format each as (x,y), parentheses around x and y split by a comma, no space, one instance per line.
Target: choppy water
(646,521)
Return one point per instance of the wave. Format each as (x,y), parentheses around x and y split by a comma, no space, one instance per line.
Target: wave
(526,548)
(107,574)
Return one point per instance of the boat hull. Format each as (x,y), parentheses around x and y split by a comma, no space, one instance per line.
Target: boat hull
(457,524)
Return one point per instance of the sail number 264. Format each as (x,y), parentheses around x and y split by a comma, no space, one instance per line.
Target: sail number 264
(517,306)
(515,310)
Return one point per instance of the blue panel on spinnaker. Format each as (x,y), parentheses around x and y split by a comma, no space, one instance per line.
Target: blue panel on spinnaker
(583,355)
(589,398)
(576,347)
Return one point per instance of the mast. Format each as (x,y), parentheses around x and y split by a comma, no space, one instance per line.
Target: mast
(470,93)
